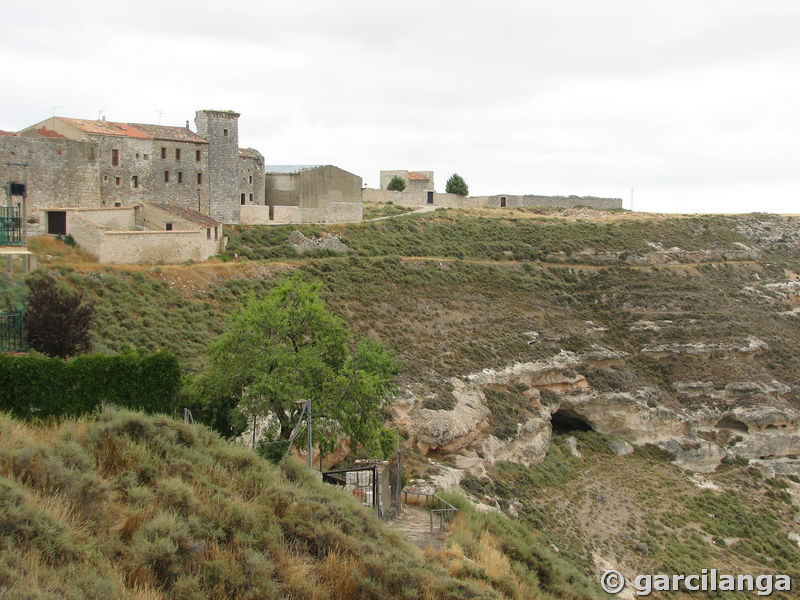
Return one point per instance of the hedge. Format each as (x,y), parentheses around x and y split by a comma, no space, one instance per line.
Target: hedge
(37,387)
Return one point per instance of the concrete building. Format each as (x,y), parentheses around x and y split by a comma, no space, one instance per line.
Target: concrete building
(71,163)
(307,194)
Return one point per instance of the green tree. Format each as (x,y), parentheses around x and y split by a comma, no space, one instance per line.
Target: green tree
(57,321)
(397,184)
(456,185)
(289,347)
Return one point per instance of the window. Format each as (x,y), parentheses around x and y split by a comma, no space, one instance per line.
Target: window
(90,153)
(135,181)
(199,178)
(116,180)
(169,227)
(208,234)
(197,155)
(115,158)
(166,176)
(163,153)
(251,197)
(137,155)
(180,176)
(146,156)
(177,153)
(251,179)
(58,151)
(242,198)
(117,204)
(225,132)
(105,178)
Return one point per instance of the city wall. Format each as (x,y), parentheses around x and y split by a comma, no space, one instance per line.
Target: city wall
(419,199)
(335,212)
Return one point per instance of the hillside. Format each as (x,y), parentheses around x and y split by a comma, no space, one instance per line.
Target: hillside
(528,337)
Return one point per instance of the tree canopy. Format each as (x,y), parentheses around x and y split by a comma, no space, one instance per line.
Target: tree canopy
(57,321)
(287,347)
(456,185)
(397,184)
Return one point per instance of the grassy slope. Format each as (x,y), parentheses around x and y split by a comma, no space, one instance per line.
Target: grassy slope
(454,292)
(130,506)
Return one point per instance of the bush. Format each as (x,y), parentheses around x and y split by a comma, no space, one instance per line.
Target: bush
(57,320)
(32,386)
(397,184)
(457,185)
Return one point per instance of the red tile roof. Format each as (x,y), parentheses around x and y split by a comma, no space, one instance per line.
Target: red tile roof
(168,132)
(105,128)
(6,132)
(417,176)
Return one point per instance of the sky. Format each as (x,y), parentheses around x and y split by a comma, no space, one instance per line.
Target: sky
(671,105)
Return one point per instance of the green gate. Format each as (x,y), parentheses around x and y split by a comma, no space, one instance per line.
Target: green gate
(12,333)
(10,226)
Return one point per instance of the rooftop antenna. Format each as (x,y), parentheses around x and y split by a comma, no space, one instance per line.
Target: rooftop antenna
(55,108)
(100,115)
(631,199)
(160,114)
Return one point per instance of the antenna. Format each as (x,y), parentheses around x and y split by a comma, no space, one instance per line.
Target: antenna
(160,114)
(100,114)
(55,108)
(631,199)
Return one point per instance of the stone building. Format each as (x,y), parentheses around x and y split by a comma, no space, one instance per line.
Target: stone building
(416,181)
(86,163)
(307,194)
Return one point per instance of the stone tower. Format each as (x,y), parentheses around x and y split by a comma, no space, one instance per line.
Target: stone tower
(221,129)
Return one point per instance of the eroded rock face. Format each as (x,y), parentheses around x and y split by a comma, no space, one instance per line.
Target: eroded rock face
(744,419)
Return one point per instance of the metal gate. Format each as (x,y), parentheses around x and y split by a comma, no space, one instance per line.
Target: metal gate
(12,335)
(10,226)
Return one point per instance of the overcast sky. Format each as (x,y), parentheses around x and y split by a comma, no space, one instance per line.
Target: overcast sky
(695,104)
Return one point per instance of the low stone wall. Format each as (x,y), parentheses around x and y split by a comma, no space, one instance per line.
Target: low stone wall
(419,199)
(121,219)
(130,247)
(336,212)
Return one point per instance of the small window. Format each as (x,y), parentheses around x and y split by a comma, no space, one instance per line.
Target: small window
(163,153)
(115,158)
(177,153)
(146,156)
(251,197)
(197,155)
(135,181)
(116,180)
(208,234)
(242,198)
(90,153)
(58,151)
(251,179)
(137,155)
(199,178)
(166,176)
(169,227)
(225,132)
(117,204)
(105,178)
(215,233)
(180,176)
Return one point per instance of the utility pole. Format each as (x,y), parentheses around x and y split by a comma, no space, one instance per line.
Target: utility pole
(308,421)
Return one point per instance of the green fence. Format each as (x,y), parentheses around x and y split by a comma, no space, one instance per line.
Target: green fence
(10,226)
(12,335)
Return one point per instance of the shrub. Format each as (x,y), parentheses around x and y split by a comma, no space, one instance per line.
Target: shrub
(456,185)
(397,184)
(57,321)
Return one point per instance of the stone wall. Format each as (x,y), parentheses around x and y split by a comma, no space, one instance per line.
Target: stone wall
(122,219)
(251,178)
(419,199)
(336,212)
(316,187)
(179,178)
(59,172)
(221,129)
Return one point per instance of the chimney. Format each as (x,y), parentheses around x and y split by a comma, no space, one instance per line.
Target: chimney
(103,117)
(187,124)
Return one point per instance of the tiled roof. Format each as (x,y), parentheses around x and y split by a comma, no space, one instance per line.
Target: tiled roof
(105,128)
(190,215)
(417,176)
(168,132)
(288,169)
(6,132)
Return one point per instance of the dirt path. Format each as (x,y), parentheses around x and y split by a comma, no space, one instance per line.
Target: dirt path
(414,523)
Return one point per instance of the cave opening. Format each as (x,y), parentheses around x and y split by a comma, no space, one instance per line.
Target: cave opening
(565,421)
(732,423)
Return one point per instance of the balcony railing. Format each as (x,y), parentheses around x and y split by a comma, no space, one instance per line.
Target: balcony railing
(10,226)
